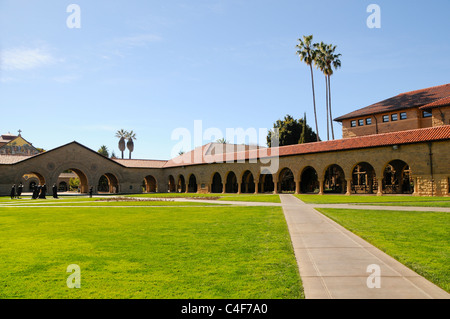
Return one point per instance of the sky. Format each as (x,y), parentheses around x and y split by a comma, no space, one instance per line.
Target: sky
(161,68)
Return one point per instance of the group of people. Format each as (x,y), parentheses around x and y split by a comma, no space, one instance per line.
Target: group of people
(39,191)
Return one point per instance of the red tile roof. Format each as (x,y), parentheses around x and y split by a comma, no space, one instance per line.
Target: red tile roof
(196,156)
(140,163)
(402,101)
(441,102)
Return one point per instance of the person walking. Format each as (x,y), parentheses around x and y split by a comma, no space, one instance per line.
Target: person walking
(19,190)
(55,191)
(13,191)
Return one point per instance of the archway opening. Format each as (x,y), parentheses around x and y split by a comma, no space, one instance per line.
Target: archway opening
(75,180)
(231,185)
(63,187)
(334,181)
(266,184)
(309,182)
(108,183)
(192,184)
(286,181)
(172,185)
(397,178)
(364,180)
(149,184)
(31,180)
(248,183)
(181,185)
(216,186)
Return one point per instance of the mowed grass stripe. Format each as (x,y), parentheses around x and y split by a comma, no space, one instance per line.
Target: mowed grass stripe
(217,252)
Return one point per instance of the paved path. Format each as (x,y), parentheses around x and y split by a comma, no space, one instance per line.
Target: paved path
(333,261)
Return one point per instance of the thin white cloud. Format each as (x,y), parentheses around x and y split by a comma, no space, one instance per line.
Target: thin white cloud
(25,58)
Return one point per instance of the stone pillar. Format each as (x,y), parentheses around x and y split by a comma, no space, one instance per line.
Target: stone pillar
(380,187)
(416,187)
(239,187)
(256,186)
(275,187)
(320,186)
(223,188)
(186,188)
(349,187)
(297,187)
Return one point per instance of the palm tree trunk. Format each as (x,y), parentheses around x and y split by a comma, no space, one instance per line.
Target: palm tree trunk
(314,103)
(329,106)
(326,98)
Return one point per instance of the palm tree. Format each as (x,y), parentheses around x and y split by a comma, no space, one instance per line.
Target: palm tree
(130,144)
(325,61)
(121,134)
(307,54)
(321,63)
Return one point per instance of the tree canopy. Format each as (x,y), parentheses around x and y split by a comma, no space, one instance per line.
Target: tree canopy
(291,131)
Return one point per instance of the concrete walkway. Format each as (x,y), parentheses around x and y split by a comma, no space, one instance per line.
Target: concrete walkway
(333,262)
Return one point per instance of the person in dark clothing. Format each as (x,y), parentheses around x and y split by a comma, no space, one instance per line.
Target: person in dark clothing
(19,190)
(13,191)
(43,191)
(55,191)
(90,192)
(35,192)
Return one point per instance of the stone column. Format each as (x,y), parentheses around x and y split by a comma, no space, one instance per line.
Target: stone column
(297,187)
(275,187)
(320,186)
(349,187)
(380,187)
(239,187)
(187,188)
(256,186)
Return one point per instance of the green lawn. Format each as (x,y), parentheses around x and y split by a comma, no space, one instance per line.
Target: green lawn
(157,252)
(387,200)
(270,198)
(419,240)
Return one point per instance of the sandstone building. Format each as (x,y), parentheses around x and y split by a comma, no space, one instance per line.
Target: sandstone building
(405,155)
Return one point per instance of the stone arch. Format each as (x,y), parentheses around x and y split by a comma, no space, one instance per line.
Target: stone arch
(231,185)
(150,184)
(192,184)
(216,183)
(309,181)
(364,179)
(108,183)
(172,185)
(334,180)
(181,184)
(31,179)
(286,180)
(397,178)
(248,182)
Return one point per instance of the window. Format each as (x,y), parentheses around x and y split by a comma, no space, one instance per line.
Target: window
(368,121)
(353,123)
(403,116)
(394,117)
(385,118)
(426,114)
(360,122)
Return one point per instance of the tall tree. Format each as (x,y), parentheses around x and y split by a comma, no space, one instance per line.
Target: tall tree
(130,144)
(121,134)
(290,131)
(307,54)
(103,150)
(326,60)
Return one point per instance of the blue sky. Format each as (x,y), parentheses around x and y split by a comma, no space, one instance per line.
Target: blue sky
(155,66)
